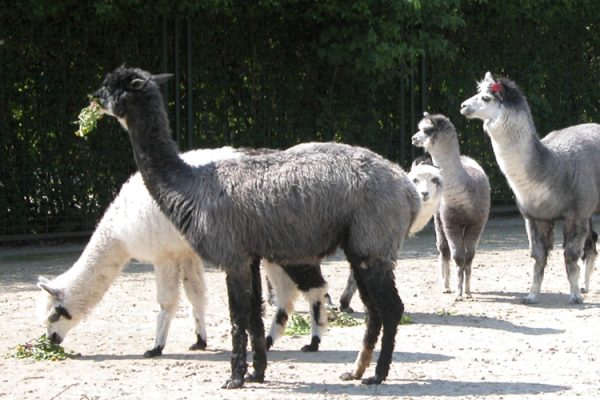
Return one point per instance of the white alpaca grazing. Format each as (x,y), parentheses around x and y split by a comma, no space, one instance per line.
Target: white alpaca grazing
(133,227)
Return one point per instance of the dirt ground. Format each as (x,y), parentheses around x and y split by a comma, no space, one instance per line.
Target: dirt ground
(492,347)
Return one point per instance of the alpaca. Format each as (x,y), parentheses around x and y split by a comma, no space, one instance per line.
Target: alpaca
(288,208)
(554,178)
(465,204)
(428,183)
(133,227)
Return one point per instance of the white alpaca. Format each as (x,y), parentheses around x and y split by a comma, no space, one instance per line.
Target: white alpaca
(133,227)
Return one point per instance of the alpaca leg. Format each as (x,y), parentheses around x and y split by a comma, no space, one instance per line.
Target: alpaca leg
(541,239)
(471,240)
(314,288)
(384,308)
(575,234)
(589,256)
(349,291)
(239,291)
(444,257)
(285,294)
(195,290)
(167,294)
(256,327)
(456,242)
(309,279)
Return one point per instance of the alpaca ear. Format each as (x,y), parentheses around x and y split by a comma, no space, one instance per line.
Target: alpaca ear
(426,114)
(489,78)
(161,78)
(137,84)
(57,293)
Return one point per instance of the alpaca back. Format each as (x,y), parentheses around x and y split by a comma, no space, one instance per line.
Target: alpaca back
(578,172)
(269,205)
(147,233)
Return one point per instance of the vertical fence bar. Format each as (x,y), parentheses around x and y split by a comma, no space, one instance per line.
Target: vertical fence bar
(189,84)
(402,106)
(177,77)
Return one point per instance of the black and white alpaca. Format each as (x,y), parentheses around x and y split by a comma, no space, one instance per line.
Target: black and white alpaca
(465,203)
(133,227)
(428,183)
(288,208)
(555,178)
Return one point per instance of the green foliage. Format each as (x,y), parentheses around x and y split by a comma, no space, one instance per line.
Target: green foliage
(41,349)
(297,326)
(272,73)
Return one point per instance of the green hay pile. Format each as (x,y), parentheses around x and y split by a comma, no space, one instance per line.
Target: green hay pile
(41,349)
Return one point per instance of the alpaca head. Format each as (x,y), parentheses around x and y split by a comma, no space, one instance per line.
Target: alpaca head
(428,181)
(493,98)
(53,311)
(122,87)
(436,134)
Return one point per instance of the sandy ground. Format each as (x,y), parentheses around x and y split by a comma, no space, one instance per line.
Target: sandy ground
(492,347)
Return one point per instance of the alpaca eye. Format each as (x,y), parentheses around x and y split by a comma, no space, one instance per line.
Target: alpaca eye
(415,180)
(486,98)
(435,181)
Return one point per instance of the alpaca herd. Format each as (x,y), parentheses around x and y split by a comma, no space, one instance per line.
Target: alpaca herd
(289,209)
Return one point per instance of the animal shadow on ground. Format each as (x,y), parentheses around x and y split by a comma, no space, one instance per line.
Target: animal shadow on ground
(425,387)
(474,321)
(547,300)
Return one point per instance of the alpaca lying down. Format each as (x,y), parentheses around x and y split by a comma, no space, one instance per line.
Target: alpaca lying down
(134,228)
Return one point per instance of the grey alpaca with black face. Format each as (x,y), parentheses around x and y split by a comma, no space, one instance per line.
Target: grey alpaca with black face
(465,204)
(554,178)
(291,208)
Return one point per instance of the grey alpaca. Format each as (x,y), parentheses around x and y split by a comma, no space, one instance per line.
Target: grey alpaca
(290,208)
(465,204)
(554,178)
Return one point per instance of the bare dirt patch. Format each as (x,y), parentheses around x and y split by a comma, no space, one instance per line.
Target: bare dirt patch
(492,347)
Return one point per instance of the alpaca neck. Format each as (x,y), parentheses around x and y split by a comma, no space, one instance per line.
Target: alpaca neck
(448,160)
(93,273)
(425,213)
(521,155)
(165,174)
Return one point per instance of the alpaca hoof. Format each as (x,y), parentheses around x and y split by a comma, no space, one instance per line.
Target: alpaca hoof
(310,348)
(374,380)
(232,384)
(459,298)
(347,309)
(530,299)
(348,376)
(269,342)
(199,345)
(155,352)
(313,346)
(254,377)
(576,299)
(446,290)
(583,290)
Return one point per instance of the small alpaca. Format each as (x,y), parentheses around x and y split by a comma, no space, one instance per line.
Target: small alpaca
(465,203)
(555,178)
(291,209)
(428,183)
(132,227)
